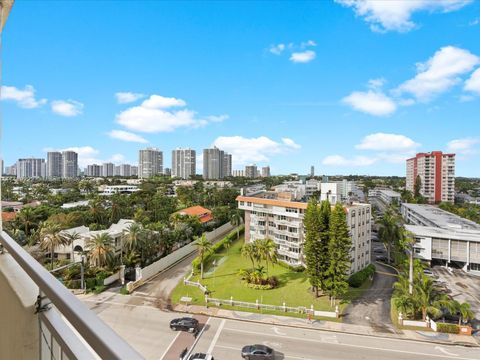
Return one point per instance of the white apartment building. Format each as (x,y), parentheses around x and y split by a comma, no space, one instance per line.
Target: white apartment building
(386,195)
(437,174)
(108,169)
(150,162)
(266,171)
(276,216)
(183,163)
(442,236)
(251,171)
(217,164)
(54,164)
(94,170)
(117,189)
(69,164)
(31,168)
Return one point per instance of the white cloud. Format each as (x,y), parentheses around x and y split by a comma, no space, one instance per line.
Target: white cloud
(24,98)
(387,142)
(128,97)
(376,84)
(290,143)
(127,136)
(473,83)
(253,150)
(303,57)
(67,108)
(439,73)
(371,102)
(465,146)
(357,161)
(86,155)
(154,116)
(308,43)
(277,49)
(395,15)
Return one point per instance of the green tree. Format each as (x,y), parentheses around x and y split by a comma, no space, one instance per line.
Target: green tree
(236,220)
(267,251)
(465,311)
(50,239)
(429,300)
(325,213)
(26,218)
(99,246)
(249,251)
(70,238)
(203,246)
(312,247)
(339,250)
(389,232)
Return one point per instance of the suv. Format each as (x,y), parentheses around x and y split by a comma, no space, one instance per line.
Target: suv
(201,356)
(257,352)
(184,324)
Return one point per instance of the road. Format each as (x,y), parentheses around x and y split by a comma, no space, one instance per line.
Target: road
(373,307)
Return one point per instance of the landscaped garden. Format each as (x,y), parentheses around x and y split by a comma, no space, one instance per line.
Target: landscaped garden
(222,277)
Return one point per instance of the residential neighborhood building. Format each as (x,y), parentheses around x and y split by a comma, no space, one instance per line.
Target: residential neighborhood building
(442,236)
(227,165)
(108,190)
(214,167)
(108,169)
(203,214)
(150,162)
(278,216)
(238,173)
(251,171)
(266,171)
(436,172)
(183,163)
(388,196)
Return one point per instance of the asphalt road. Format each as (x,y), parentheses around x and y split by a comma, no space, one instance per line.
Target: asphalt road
(373,307)
(225,338)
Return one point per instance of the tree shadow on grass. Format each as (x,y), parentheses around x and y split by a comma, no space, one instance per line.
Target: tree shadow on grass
(285,278)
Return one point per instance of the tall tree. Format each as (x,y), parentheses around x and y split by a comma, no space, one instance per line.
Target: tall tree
(312,247)
(389,231)
(50,239)
(267,251)
(249,252)
(99,246)
(417,187)
(339,251)
(236,220)
(203,246)
(325,213)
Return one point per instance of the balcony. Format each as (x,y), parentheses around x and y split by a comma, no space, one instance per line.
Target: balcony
(41,319)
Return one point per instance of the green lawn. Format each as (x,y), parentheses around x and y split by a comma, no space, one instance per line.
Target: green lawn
(225,282)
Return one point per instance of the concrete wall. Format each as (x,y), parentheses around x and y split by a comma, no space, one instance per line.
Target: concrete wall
(18,324)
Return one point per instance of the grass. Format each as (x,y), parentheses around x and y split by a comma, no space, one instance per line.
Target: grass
(394,317)
(224,282)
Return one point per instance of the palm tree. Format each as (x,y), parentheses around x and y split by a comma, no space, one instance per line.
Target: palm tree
(408,240)
(428,299)
(70,239)
(465,311)
(236,220)
(203,245)
(26,219)
(389,232)
(98,247)
(133,238)
(249,252)
(267,251)
(51,238)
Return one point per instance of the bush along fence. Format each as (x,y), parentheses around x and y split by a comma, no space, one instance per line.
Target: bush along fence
(436,326)
(268,307)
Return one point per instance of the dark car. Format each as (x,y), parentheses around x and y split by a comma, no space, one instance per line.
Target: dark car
(257,352)
(184,324)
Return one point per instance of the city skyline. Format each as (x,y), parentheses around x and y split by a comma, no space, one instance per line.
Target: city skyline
(269,94)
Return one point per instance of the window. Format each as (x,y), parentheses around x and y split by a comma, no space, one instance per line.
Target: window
(249,203)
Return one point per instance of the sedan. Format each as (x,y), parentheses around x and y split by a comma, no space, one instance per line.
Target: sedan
(257,352)
(184,324)
(201,356)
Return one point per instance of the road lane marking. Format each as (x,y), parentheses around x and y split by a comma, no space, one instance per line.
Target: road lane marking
(171,344)
(351,345)
(278,332)
(215,338)
(445,351)
(199,335)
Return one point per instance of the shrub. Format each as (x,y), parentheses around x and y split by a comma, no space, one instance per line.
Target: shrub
(298,268)
(272,281)
(448,328)
(259,286)
(357,279)
(90,283)
(124,291)
(99,288)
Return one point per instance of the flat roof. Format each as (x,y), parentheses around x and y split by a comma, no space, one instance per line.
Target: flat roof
(441,218)
(453,234)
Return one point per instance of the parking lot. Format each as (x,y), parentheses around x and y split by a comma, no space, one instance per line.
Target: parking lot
(464,287)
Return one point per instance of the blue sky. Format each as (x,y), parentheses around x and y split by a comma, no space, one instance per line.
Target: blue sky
(349,87)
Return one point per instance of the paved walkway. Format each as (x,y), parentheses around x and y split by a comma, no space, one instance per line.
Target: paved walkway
(449,339)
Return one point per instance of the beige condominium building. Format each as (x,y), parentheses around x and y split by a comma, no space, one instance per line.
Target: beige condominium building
(276,216)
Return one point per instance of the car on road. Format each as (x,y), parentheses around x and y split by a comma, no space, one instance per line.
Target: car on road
(257,352)
(184,324)
(201,356)
(378,250)
(381,258)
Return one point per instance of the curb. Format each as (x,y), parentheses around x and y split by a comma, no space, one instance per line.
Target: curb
(439,342)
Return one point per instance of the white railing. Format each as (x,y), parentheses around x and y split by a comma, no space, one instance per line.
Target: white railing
(196,284)
(268,307)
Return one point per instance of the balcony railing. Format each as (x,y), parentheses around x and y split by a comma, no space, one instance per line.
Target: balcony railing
(68,329)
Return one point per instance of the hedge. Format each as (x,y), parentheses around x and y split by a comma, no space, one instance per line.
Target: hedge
(357,279)
(448,328)
(258,286)
(298,268)
(219,245)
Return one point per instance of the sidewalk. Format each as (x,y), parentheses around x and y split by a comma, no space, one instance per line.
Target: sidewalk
(426,336)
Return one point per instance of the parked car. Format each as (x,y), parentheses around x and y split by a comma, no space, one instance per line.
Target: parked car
(381,258)
(184,324)
(378,250)
(429,273)
(201,356)
(257,352)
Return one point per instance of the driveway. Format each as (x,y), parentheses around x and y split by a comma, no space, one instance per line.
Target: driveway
(373,307)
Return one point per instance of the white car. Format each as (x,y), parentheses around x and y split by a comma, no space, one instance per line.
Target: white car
(201,356)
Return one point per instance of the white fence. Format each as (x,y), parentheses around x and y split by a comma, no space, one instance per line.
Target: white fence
(417,323)
(196,284)
(111,279)
(269,307)
(167,261)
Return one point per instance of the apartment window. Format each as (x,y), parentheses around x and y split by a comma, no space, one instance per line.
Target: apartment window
(291,210)
(249,203)
(282,217)
(241,203)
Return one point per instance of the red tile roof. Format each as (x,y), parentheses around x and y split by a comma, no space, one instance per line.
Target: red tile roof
(8,216)
(203,214)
